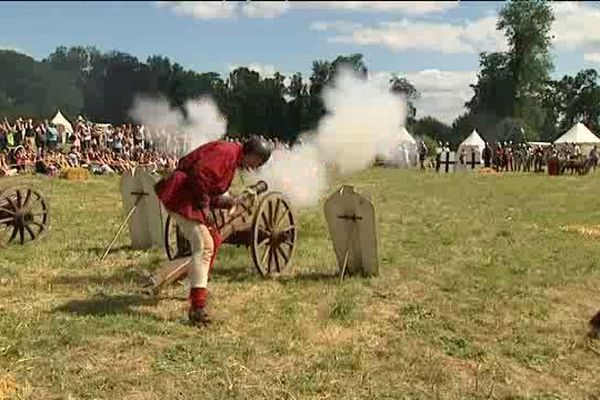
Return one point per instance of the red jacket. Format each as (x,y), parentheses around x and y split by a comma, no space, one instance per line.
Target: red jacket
(200,176)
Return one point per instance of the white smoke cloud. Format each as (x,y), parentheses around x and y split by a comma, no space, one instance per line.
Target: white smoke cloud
(156,113)
(204,121)
(363,120)
(298,173)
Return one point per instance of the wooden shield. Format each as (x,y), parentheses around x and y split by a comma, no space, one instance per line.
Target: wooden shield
(146,223)
(351,222)
(151,206)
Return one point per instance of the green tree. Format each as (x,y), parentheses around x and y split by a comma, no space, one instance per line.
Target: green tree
(513,84)
(433,128)
(401,85)
(527,25)
(35,89)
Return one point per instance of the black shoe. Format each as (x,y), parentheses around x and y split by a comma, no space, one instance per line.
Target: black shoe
(198,316)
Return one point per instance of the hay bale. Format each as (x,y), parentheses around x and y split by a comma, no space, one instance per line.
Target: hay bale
(75,174)
(487,172)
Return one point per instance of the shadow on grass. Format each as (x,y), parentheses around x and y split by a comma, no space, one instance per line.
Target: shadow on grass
(103,305)
(329,277)
(248,274)
(136,276)
(236,273)
(99,250)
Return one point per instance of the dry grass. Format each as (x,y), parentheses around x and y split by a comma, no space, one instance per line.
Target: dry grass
(481,295)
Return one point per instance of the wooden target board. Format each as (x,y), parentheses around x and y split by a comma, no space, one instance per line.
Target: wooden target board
(351,222)
(146,223)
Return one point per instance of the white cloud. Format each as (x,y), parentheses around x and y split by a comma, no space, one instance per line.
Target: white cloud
(202,9)
(273,9)
(340,26)
(405,7)
(443,93)
(592,57)
(264,9)
(577,25)
(471,37)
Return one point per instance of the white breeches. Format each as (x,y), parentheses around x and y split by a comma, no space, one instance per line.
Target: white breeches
(202,249)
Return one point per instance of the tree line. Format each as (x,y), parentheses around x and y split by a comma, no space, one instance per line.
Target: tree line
(514,97)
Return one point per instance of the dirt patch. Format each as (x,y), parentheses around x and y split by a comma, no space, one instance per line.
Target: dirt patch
(8,387)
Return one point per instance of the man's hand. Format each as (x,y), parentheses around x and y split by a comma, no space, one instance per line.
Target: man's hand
(251,194)
(234,204)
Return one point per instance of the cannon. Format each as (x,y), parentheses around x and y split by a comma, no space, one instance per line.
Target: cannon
(24,215)
(263,223)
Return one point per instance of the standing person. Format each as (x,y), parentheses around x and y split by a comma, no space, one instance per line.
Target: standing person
(577,151)
(593,157)
(52,136)
(198,183)
(30,135)
(438,156)
(508,154)
(462,158)
(422,154)
(499,157)
(486,154)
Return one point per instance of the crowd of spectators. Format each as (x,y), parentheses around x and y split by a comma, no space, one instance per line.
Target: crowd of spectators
(28,146)
(43,147)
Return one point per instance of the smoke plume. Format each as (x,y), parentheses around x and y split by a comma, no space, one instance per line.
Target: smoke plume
(298,173)
(363,120)
(203,124)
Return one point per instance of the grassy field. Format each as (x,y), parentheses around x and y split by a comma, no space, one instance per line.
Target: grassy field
(481,295)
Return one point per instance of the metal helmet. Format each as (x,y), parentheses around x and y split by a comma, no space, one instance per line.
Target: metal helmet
(257,146)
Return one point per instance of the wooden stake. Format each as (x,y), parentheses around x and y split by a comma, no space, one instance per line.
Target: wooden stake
(131,211)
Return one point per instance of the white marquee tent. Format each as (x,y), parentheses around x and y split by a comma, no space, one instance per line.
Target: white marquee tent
(406,137)
(402,154)
(472,142)
(579,134)
(60,120)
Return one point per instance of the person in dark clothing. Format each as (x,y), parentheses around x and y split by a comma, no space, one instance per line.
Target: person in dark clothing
(487,155)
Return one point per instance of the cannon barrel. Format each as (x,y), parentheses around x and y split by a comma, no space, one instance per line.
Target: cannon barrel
(260,187)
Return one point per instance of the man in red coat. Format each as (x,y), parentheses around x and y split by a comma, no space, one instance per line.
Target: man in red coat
(199,183)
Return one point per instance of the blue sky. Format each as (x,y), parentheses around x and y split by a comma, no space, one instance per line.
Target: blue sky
(434,44)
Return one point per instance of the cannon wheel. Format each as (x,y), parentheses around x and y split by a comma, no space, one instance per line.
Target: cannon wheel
(24,215)
(176,245)
(273,235)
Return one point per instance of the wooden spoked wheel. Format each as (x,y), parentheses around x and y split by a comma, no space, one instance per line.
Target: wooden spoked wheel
(176,245)
(24,215)
(273,235)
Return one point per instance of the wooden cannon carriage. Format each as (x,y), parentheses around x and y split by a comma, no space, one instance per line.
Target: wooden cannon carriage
(24,215)
(264,223)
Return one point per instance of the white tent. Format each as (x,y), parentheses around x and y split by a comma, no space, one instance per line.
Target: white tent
(579,134)
(473,142)
(406,137)
(402,154)
(60,120)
